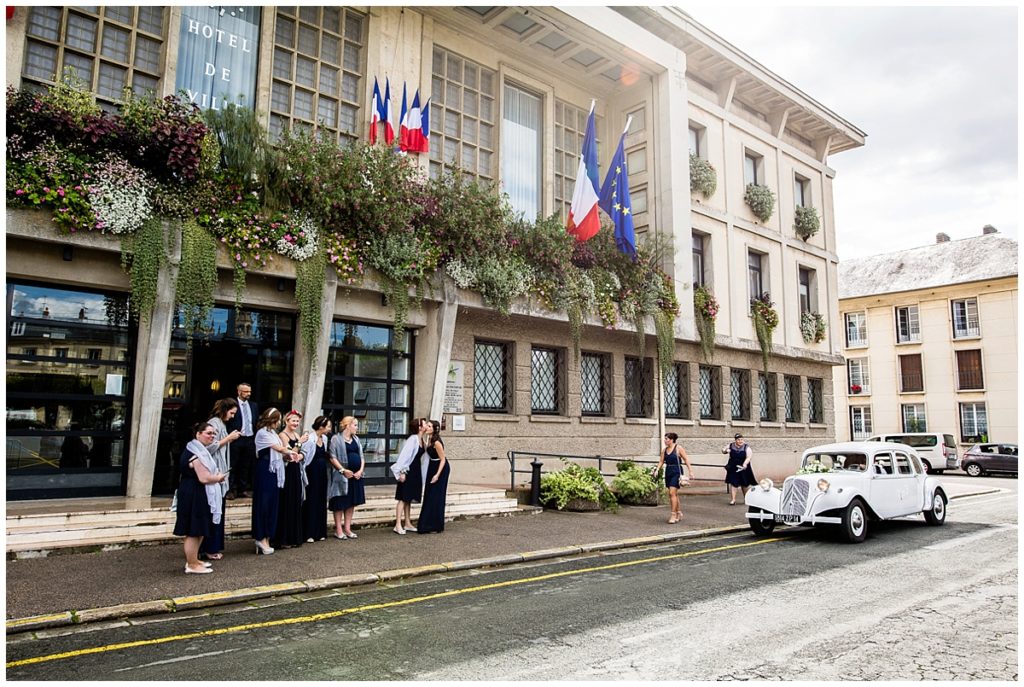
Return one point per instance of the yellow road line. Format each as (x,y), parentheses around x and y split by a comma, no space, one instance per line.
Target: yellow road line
(373,607)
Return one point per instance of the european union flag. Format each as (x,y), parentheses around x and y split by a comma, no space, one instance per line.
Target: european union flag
(615,201)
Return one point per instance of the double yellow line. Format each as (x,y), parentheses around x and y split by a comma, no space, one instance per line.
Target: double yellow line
(374,607)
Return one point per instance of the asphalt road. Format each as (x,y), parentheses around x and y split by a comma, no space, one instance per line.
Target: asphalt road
(912,602)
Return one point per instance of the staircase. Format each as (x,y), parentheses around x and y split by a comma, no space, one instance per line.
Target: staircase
(39,528)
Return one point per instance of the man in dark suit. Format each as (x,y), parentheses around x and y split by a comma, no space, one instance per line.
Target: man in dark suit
(243,449)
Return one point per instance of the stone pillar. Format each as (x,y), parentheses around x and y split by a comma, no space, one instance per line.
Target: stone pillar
(151,372)
(443,341)
(309,372)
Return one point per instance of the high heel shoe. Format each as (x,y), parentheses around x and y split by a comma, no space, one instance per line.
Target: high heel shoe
(263,550)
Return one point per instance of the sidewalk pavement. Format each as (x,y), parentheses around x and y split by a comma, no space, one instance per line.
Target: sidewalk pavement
(86,587)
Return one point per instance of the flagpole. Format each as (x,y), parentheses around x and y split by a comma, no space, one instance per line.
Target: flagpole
(629,120)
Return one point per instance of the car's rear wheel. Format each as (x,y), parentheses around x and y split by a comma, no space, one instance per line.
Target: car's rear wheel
(937,515)
(927,466)
(855,522)
(761,528)
(973,469)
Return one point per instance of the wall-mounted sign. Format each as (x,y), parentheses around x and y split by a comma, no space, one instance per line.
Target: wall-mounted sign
(453,393)
(217,55)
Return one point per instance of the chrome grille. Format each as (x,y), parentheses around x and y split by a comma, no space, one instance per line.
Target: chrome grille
(794,497)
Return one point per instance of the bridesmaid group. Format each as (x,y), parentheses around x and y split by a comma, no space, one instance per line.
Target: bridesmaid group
(296,479)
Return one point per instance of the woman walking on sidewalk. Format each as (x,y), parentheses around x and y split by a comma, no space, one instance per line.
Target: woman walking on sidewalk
(268,478)
(199,496)
(292,494)
(314,508)
(223,411)
(672,458)
(738,473)
(408,471)
(436,492)
(348,452)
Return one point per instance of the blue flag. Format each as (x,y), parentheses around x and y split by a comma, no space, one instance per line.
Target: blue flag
(615,201)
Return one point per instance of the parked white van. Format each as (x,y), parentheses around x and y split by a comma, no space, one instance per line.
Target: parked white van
(937,451)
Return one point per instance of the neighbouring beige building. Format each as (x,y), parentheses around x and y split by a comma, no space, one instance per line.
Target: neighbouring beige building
(931,341)
(512,383)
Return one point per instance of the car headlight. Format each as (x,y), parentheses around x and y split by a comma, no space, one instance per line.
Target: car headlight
(766,484)
(823,484)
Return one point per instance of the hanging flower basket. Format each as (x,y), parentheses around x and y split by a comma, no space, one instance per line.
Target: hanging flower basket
(765,321)
(705,310)
(760,200)
(812,327)
(806,222)
(703,178)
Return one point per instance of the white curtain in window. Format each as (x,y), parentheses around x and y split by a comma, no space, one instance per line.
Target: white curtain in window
(520,150)
(217,55)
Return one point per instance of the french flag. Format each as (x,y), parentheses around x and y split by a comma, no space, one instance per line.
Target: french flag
(403,124)
(417,130)
(385,113)
(375,115)
(583,220)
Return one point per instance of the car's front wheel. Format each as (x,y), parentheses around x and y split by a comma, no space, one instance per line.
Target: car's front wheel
(973,469)
(937,515)
(761,528)
(855,521)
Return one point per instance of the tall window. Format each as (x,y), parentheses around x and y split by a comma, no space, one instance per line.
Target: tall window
(857,369)
(319,62)
(968,368)
(973,423)
(815,403)
(638,378)
(965,318)
(545,381)
(911,374)
(697,134)
(805,277)
(462,116)
(491,368)
(914,417)
(755,274)
(709,385)
(791,395)
(856,330)
(908,324)
(752,168)
(860,422)
(520,150)
(570,128)
(677,391)
(698,259)
(801,191)
(594,374)
(108,48)
(768,396)
(739,391)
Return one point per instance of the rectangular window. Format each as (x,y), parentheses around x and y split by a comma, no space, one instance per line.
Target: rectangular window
(801,191)
(908,324)
(491,374)
(968,369)
(710,390)
(752,168)
(857,370)
(860,422)
(805,277)
(521,150)
(698,259)
(911,374)
(570,128)
(914,417)
(856,329)
(755,274)
(973,423)
(768,396)
(739,391)
(463,117)
(815,404)
(791,393)
(594,376)
(696,134)
(965,318)
(545,381)
(677,391)
(638,379)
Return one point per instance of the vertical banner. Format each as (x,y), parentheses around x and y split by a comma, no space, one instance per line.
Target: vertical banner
(217,55)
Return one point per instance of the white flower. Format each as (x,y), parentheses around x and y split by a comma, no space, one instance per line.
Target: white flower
(120,196)
(460,274)
(300,251)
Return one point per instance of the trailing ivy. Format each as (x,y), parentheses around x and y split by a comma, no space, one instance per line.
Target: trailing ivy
(197,278)
(705,311)
(142,255)
(309,294)
(765,321)
(664,331)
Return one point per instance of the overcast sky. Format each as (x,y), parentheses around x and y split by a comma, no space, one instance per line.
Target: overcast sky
(934,88)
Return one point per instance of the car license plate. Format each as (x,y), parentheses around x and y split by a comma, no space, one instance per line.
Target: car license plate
(788,519)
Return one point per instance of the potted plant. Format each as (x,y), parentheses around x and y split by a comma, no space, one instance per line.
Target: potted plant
(765,321)
(705,310)
(806,222)
(575,488)
(812,327)
(635,486)
(855,388)
(703,178)
(760,200)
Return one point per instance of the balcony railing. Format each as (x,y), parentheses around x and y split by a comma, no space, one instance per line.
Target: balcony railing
(971,379)
(911,381)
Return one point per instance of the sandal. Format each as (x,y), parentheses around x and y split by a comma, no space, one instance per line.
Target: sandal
(215,556)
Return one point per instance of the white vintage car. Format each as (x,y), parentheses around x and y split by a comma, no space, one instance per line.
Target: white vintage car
(848,484)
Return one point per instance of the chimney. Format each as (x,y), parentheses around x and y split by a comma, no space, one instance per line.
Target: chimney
(941,237)
(988,229)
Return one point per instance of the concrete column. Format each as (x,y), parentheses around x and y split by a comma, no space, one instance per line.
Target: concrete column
(151,372)
(16,26)
(310,371)
(440,346)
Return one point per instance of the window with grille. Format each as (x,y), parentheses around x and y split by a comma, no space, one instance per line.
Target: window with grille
(545,381)
(908,324)
(109,48)
(709,388)
(739,392)
(815,404)
(491,368)
(968,369)
(594,376)
(755,274)
(319,64)
(791,395)
(856,329)
(973,423)
(857,371)
(463,116)
(911,374)
(677,391)
(698,259)
(570,128)
(639,387)
(860,422)
(965,318)
(768,396)
(914,418)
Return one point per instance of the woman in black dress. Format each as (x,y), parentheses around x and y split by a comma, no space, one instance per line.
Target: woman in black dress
(673,458)
(738,474)
(314,508)
(292,493)
(348,452)
(199,502)
(436,492)
(409,475)
(268,478)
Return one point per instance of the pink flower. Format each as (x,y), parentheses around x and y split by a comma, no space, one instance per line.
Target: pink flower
(19,192)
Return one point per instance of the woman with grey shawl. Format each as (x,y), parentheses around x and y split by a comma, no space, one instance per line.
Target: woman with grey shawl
(199,496)
(223,410)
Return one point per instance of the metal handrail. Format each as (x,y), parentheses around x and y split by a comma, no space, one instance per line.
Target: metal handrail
(512,455)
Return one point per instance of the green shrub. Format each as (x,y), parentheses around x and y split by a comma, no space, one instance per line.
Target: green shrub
(575,482)
(633,482)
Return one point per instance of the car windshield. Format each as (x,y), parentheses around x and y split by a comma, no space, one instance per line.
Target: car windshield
(925,441)
(836,461)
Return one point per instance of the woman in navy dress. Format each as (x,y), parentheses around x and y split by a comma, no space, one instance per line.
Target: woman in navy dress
(738,473)
(408,471)
(197,511)
(672,458)
(289,512)
(347,450)
(223,410)
(314,508)
(436,492)
(268,478)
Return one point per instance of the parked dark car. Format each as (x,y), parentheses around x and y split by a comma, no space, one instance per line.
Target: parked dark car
(982,459)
